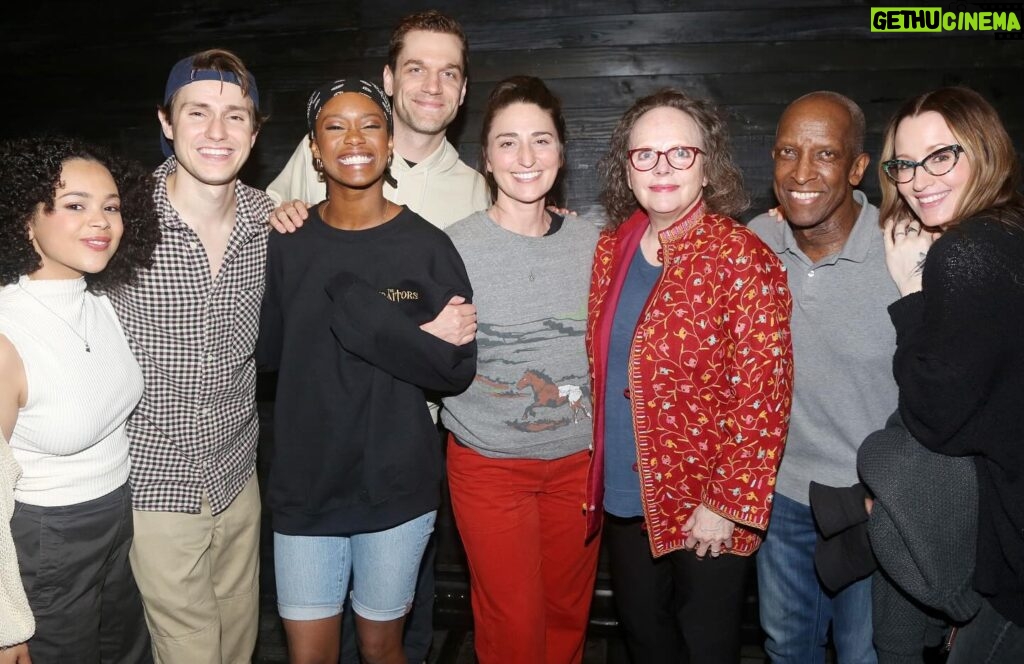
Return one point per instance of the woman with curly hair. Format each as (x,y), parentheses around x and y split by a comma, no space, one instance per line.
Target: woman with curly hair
(75,223)
(688,337)
(954,235)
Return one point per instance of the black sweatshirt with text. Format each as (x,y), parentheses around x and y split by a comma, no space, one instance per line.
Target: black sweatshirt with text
(355,448)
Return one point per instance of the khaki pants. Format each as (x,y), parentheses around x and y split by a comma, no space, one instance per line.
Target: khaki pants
(199,579)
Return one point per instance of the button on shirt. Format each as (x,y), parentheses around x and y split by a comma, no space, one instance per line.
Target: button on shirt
(843,343)
(196,428)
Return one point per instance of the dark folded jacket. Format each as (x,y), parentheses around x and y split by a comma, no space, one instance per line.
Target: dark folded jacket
(923,531)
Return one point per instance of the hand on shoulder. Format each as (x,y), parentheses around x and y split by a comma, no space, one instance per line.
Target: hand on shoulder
(289,216)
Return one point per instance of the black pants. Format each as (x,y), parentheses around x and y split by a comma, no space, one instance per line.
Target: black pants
(74,565)
(676,608)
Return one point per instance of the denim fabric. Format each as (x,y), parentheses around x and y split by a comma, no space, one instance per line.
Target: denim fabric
(313,572)
(795,609)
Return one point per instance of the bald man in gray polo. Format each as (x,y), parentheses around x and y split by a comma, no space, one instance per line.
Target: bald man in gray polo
(843,343)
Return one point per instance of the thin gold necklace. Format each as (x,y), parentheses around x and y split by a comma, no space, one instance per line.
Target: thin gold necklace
(85,317)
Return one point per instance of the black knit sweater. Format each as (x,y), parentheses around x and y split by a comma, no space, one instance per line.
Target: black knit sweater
(959,365)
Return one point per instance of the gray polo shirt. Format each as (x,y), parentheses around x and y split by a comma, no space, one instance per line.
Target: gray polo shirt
(843,343)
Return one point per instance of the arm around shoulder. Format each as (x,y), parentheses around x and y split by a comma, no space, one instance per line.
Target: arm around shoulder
(367,324)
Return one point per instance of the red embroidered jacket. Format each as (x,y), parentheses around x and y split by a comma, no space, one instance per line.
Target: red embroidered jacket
(710,375)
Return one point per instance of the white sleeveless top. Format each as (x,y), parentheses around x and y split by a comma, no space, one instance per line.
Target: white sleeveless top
(70,437)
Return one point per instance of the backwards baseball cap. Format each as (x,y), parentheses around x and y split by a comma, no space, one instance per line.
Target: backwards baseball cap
(185,72)
(325,92)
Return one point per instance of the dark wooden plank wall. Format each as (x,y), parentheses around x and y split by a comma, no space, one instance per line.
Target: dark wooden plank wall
(98,69)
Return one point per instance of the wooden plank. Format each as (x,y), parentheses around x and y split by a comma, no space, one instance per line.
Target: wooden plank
(299,71)
(301,17)
(583,10)
(764,87)
(269,27)
(789,57)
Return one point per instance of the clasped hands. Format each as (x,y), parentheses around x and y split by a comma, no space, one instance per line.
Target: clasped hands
(456,323)
(707,532)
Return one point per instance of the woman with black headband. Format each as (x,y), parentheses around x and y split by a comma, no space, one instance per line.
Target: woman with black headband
(355,479)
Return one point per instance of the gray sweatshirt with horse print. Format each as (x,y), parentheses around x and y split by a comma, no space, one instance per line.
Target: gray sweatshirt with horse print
(530,398)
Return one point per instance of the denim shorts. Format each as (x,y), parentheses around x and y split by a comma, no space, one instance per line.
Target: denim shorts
(313,572)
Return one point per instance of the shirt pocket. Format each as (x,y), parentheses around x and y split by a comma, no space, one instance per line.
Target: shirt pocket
(246,320)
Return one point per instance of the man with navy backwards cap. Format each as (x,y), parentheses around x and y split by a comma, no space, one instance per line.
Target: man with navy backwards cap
(191,320)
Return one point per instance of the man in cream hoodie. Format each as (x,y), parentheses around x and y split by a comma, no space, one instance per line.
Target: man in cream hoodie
(426,78)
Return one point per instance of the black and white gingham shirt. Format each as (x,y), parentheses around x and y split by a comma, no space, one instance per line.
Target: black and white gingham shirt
(195,429)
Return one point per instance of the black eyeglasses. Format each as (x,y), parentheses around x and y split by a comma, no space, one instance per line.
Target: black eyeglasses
(681,157)
(940,162)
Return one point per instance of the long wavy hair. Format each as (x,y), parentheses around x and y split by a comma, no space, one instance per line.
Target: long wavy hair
(994,183)
(724,193)
(30,171)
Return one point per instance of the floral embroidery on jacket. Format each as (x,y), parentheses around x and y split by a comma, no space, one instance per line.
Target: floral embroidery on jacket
(710,375)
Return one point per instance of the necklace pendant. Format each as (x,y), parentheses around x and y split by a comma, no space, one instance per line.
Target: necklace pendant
(87,348)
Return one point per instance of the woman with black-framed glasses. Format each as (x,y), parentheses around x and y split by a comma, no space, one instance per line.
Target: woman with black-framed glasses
(688,336)
(954,231)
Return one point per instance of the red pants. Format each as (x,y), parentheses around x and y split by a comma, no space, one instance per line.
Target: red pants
(532,577)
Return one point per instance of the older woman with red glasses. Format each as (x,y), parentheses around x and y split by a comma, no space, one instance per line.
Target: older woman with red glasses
(689,343)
